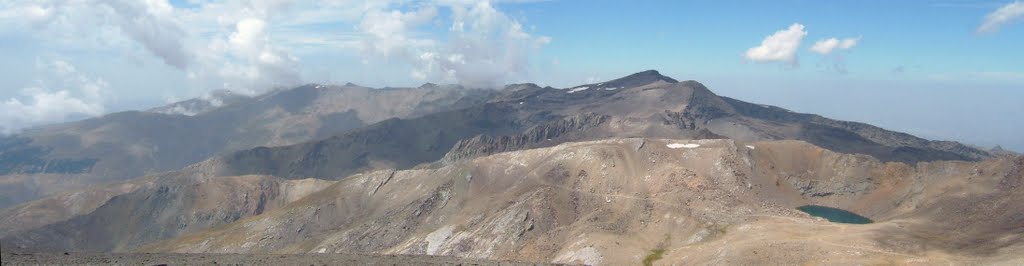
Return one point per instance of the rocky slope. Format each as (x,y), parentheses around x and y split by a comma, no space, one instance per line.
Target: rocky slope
(120,146)
(150,210)
(617,201)
(64,206)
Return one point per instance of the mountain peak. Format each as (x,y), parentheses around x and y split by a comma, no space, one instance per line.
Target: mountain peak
(637,79)
(695,84)
(428,85)
(649,75)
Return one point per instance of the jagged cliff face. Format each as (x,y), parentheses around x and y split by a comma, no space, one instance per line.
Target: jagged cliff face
(533,137)
(121,146)
(615,201)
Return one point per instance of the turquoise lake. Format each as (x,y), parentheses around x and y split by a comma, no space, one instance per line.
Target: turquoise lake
(834,215)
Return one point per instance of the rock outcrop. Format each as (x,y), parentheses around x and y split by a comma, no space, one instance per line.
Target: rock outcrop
(483,145)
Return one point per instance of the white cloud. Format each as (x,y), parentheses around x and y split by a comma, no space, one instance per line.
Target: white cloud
(38,14)
(826,46)
(849,43)
(779,47)
(250,45)
(246,60)
(484,47)
(70,94)
(1010,13)
(388,30)
(194,41)
(33,13)
(104,24)
(152,24)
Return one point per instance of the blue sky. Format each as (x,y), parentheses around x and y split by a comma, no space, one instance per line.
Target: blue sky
(926,40)
(937,69)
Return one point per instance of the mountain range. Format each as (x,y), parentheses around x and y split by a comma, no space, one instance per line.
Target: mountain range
(644,167)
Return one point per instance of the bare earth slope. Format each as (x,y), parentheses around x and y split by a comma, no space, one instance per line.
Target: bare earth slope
(146,211)
(616,201)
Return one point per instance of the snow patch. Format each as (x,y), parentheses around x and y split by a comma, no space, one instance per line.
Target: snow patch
(578,89)
(680,145)
(611,88)
(178,109)
(750,147)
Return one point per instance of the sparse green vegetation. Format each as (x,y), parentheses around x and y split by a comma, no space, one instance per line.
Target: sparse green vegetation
(655,255)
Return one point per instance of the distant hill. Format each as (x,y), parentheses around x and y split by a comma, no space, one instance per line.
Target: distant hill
(125,145)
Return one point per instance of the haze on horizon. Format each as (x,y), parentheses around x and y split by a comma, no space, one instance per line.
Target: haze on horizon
(946,70)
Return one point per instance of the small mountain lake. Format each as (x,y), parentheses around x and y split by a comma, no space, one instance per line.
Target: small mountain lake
(834,215)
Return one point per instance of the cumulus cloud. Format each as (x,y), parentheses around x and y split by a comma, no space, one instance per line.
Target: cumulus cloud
(826,46)
(65,93)
(835,62)
(781,46)
(248,46)
(388,30)
(1010,13)
(33,14)
(217,45)
(484,47)
(151,23)
(246,59)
